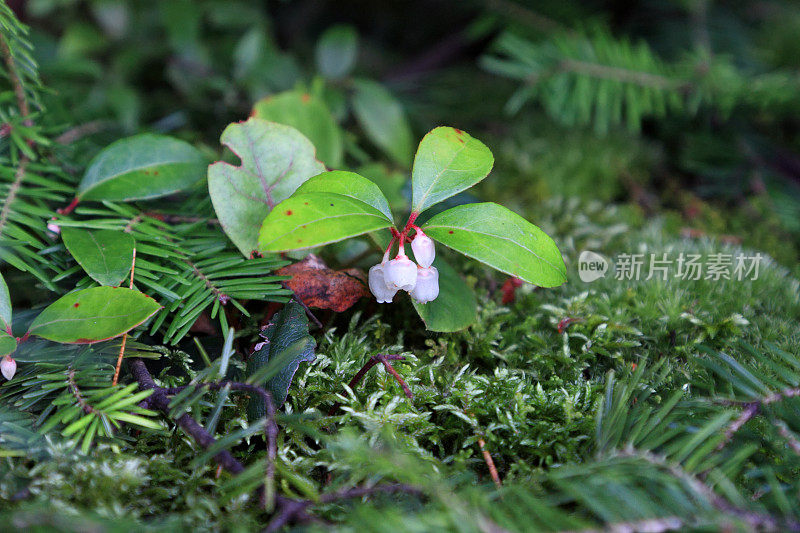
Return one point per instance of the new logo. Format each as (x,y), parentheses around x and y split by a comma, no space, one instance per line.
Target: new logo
(591,266)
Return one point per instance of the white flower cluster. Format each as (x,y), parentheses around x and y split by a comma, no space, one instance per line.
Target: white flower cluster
(401,273)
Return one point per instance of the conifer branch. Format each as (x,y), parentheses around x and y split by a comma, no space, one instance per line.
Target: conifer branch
(73,387)
(16,185)
(16,82)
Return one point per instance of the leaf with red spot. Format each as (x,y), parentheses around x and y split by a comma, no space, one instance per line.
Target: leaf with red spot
(142,167)
(93,315)
(316,218)
(318,286)
(275,160)
(448,161)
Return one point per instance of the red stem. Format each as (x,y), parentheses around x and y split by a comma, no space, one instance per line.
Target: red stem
(411,219)
(70,208)
(391,243)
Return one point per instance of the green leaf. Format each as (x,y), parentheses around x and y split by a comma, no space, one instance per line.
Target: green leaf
(93,315)
(105,255)
(502,239)
(275,160)
(287,327)
(448,161)
(384,121)
(316,218)
(392,183)
(5,306)
(142,167)
(310,116)
(349,184)
(336,51)
(7,343)
(455,308)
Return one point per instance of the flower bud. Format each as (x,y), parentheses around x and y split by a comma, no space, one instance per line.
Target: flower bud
(400,273)
(427,287)
(8,367)
(424,253)
(378,287)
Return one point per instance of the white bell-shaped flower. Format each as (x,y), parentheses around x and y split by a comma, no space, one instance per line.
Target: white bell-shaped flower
(378,287)
(424,251)
(427,287)
(400,272)
(8,367)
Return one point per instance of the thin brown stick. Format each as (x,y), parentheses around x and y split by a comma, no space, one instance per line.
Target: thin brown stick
(310,315)
(270,430)
(390,369)
(372,361)
(487,457)
(124,335)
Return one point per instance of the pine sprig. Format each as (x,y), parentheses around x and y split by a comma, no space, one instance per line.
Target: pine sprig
(590,78)
(595,78)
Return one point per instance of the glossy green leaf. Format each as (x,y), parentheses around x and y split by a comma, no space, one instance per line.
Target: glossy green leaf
(141,167)
(275,160)
(93,315)
(310,116)
(105,255)
(5,306)
(336,51)
(349,184)
(8,343)
(456,306)
(383,119)
(448,161)
(502,239)
(392,183)
(287,327)
(313,219)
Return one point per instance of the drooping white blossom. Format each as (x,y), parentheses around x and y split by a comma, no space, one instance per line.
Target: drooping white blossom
(400,272)
(8,367)
(424,252)
(427,287)
(377,285)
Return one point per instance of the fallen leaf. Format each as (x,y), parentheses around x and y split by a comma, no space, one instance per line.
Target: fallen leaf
(324,288)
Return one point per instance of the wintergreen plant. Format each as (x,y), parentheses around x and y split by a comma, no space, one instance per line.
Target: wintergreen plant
(337,205)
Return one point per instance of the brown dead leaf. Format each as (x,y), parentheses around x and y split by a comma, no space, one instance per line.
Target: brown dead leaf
(321,287)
